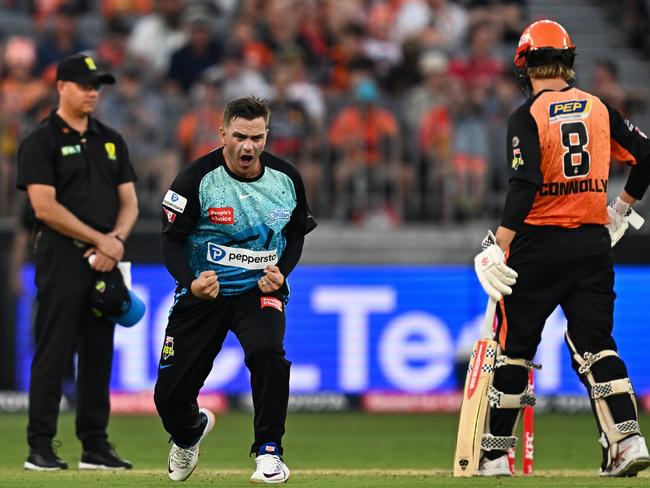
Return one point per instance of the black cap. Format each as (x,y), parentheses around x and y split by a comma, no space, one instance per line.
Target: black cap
(110,298)
(82,69)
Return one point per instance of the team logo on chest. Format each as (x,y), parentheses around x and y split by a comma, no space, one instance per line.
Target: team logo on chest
(278,215)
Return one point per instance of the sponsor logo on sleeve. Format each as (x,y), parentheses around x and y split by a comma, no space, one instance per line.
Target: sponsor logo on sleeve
(633,128)
(240,258)
(175,201)
(270,302)
(278,215)
(221,215)
(171,216)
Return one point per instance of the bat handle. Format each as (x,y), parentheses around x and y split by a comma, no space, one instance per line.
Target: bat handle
(634,219)
(488,320)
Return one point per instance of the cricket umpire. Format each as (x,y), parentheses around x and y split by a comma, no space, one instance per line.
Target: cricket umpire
(80,183)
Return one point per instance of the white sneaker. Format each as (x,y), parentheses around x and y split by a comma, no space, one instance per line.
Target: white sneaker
(269,467)
(493,467)
(181,461)
(632,457)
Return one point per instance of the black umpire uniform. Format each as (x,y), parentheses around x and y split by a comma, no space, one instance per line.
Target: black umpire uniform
(85,170)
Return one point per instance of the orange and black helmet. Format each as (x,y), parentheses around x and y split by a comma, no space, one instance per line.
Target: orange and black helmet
(544,42)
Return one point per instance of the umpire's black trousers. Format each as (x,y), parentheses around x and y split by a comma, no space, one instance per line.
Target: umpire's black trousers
(65,324)
(193,338)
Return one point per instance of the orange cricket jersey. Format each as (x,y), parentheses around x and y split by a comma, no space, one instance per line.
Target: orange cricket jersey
(575,153)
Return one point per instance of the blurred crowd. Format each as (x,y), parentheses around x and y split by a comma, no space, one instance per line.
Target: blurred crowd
(393,110)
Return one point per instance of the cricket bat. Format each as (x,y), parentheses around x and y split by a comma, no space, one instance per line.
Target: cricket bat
(474,408)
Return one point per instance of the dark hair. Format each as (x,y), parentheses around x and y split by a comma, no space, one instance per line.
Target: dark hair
(249,108)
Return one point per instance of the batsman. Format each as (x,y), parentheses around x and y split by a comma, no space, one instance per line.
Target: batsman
(554,247)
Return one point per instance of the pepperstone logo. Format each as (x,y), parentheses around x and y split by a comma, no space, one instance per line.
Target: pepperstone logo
(175,201)
(239,257)
(215,253)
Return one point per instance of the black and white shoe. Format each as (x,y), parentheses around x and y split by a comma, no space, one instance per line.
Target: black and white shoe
(103,458)
(182,460)
(44,459)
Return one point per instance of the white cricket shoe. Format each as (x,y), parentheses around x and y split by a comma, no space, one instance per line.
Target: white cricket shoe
(181,461)
(493,467)
(269,466)
(632,457)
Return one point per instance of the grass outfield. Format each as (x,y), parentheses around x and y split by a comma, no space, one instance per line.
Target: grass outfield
(323,450)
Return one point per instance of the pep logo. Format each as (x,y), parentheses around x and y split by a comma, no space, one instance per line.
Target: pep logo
(215,253)
(569,110)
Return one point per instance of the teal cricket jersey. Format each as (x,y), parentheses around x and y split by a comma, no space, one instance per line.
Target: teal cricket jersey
(232,225)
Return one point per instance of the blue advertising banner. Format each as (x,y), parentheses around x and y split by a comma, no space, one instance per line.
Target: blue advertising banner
(356,329)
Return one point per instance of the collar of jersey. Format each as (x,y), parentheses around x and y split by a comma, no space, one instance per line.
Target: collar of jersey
(60,123)
(221,160)
(566,88)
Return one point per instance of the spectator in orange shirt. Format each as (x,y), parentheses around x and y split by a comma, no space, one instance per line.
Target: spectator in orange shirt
(198,129)
(367,171)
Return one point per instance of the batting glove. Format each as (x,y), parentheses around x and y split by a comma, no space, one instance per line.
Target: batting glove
(495,277)
(618,212)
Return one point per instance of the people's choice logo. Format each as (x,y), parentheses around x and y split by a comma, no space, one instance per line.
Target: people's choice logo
(221,215)
(240,258)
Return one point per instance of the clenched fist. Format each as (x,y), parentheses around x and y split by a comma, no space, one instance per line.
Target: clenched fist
(206,286)
(271,281)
